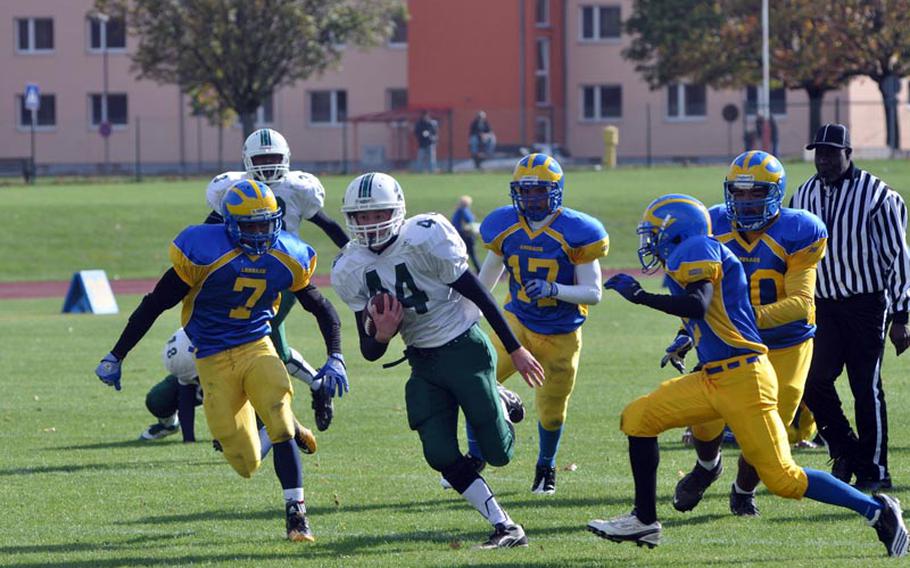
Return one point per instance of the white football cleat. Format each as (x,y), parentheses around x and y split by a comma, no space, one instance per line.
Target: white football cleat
(627,528)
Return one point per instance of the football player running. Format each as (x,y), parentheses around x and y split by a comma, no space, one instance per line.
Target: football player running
(267,158)
(552,256)
(229,278)
(779,249)
(736,382)
(434,299)
(174,399)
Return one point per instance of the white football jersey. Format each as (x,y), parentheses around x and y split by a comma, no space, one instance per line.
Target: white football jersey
(302,193)
(418,267)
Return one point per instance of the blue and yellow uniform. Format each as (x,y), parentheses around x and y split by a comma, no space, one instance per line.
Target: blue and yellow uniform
(780,266)
(736,382)
(548,327)
(226,314)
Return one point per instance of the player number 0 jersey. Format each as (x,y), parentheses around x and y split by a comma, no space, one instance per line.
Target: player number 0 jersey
(417,267)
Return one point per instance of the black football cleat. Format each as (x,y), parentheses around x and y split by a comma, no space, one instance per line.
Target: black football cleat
(544,480)
(889,524)
(692,487)
(743,504)
(506,536)
(297,524)
(323,410)
(842,468)
(515,410)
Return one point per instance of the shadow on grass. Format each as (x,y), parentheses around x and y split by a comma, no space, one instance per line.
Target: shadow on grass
(119,466)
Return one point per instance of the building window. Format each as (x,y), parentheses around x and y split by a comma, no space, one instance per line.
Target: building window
(542,72)
(396,99)
(400,33)
(115,34)
(778,101)
(46,117)
(600,23)
(601,102)
(686,101)
(542,13)
(543,132)
(328,107)
(35,35)
(116,109)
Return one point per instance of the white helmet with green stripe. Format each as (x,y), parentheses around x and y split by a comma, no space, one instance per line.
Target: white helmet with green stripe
(373,192)
(266,155)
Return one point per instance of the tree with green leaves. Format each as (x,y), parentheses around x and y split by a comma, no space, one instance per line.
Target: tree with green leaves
(246,49)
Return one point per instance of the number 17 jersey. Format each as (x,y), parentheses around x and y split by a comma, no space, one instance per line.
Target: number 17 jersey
(417,268)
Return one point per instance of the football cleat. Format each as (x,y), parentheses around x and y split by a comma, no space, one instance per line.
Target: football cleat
(872,485)
(544,480)
(691,488)
(304,438)
(158,430)
(478,464)
(742,504)
(627,528)
(297,524)
(889,524)
(506,536)
(842,468)
(323,411)
(514,408)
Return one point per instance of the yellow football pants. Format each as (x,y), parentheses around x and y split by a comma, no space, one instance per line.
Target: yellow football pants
(791,365)
(238,384)
(559,356)
(743,392)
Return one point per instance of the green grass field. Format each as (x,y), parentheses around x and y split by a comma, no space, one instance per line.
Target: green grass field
(77,490)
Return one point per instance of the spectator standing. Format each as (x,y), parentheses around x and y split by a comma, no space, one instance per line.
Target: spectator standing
(482,140)
(426,130)
(467,227)
(863,284)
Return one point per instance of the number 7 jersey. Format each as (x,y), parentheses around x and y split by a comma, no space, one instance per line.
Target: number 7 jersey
(549,253)
(417,268)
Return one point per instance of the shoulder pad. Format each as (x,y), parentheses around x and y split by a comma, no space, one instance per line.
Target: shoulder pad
(498,221)
(218,186)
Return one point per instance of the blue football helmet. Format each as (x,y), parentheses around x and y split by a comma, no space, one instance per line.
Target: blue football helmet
(532,172)
(251,216)
(754,171)
(666,223)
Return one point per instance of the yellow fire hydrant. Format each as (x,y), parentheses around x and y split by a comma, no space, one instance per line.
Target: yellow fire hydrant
(611,141)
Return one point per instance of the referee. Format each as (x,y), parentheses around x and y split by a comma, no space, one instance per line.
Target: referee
(863,284)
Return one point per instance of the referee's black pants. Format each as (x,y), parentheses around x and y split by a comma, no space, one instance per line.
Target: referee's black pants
(851,332)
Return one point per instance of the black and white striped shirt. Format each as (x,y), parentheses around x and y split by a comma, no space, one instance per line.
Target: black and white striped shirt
(867,244)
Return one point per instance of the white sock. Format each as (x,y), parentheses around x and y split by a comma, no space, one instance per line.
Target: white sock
(710,465)
(295,494)
(170,421)
(480,495)
(741,491)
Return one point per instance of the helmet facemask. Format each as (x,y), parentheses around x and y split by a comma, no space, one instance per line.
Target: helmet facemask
(255,234)
(535,199)
(375,233)
(752,213)
(647,249)
(268,167)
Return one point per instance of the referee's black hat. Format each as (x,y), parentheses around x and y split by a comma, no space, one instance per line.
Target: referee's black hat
(831,134)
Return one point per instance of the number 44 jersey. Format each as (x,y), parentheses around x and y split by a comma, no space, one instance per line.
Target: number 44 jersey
(417,268)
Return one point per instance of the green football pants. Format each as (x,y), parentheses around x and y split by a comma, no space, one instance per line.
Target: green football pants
(459,374)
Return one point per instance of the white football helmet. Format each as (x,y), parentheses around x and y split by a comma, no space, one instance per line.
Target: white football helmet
(179,357)
(373,192)
(266,142)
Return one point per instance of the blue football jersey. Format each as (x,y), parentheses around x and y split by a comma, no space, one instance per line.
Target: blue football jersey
(549,253)
(728,328)
(795,240)
(233,296)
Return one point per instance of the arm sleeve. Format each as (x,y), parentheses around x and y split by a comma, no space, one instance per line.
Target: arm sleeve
(329,325)
(186,411)
(692,305)
(330,227)
(890,226)
(371,349)
(168,292)
(470,287)
(587,289)
(491,270)
(799,304)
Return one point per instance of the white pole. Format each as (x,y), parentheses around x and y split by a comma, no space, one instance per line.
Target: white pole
(764,103)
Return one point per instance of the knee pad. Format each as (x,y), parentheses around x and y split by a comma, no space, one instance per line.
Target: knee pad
(551,411)
(708,431)
(633,419)
(786,481)
(460,474)
(279,422)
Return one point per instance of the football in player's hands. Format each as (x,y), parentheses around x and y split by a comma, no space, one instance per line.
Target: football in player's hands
(378,305)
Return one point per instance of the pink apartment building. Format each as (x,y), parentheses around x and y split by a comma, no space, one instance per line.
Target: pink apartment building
(546,71)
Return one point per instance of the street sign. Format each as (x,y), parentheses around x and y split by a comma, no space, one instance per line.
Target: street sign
(104,129)
(32,97)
